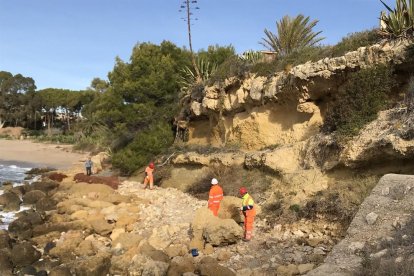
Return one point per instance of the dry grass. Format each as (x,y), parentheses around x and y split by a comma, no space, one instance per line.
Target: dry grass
(340,201)
(231,179)
(399,259)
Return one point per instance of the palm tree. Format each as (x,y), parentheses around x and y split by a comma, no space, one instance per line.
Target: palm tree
(292,34)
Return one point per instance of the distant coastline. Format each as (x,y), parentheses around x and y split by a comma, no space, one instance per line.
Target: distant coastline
(26,152)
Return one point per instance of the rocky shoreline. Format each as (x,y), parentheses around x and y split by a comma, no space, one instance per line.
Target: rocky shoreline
(85,228)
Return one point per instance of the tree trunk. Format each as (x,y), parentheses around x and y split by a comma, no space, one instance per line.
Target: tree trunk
(49,130)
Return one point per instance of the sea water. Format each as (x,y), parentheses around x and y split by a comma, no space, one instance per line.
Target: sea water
(15,173)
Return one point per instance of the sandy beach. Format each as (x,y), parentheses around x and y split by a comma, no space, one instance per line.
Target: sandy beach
(39,154)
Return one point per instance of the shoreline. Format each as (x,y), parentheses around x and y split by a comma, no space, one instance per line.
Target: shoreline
(27,152)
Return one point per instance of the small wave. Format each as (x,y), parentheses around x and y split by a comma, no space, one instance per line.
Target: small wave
(8,217)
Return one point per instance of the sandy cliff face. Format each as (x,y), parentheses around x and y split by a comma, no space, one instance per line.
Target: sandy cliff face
(285,108)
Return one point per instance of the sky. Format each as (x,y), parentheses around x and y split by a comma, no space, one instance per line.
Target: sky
(67,43)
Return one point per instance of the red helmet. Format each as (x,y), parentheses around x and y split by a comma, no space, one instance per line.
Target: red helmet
(243,190)
(151,165)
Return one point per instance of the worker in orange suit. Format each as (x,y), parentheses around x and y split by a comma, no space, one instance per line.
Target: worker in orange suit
(149,176)
(249,213)
(215,196)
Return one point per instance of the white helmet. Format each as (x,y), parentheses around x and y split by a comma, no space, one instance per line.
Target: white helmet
(214,181)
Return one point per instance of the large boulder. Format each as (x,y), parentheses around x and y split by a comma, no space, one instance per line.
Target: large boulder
(10,201)
(6,265)
(21,228)
(93,266)
(229,209)
(33,196)
(101,226)
(5,242)
(66,246)
(45,204)
(210,267)
(133,263)
(24,254)
(206,227)
(44,186)
(34,217)
(127,240)
(181,265)
(157,255)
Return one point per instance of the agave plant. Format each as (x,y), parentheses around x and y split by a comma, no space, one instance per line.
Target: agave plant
(399,22)
(251,56)
(189,78)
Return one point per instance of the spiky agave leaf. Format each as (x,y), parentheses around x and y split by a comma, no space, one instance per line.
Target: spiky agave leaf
(189,79)
(400,21)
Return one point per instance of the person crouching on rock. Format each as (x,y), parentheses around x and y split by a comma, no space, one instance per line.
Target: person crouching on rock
(215,196)
(249,213)
(88,166)
(149,177)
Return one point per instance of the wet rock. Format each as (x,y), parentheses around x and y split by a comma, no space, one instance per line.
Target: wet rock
(6,265)
(24,254)
(33,196)
(45,204)
(27,270)
(21,228)
(10,201)
(5,242)
(34,217)
(59,227)
(44,186)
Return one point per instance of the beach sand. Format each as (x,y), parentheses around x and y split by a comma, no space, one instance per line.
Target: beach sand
(39,154)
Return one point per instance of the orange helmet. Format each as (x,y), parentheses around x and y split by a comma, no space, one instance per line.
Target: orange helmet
(243,190)
(151,165)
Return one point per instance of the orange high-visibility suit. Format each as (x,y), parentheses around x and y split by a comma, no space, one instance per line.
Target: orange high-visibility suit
(214,198)
(249,213)
(149,178)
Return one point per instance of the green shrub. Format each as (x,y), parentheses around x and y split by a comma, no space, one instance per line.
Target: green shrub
(355,40)
(295,208)
(57,139)
(358,102)
(232,67)
(264,68)
(143,148)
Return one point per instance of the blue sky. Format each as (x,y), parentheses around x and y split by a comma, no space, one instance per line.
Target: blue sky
(66,43)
